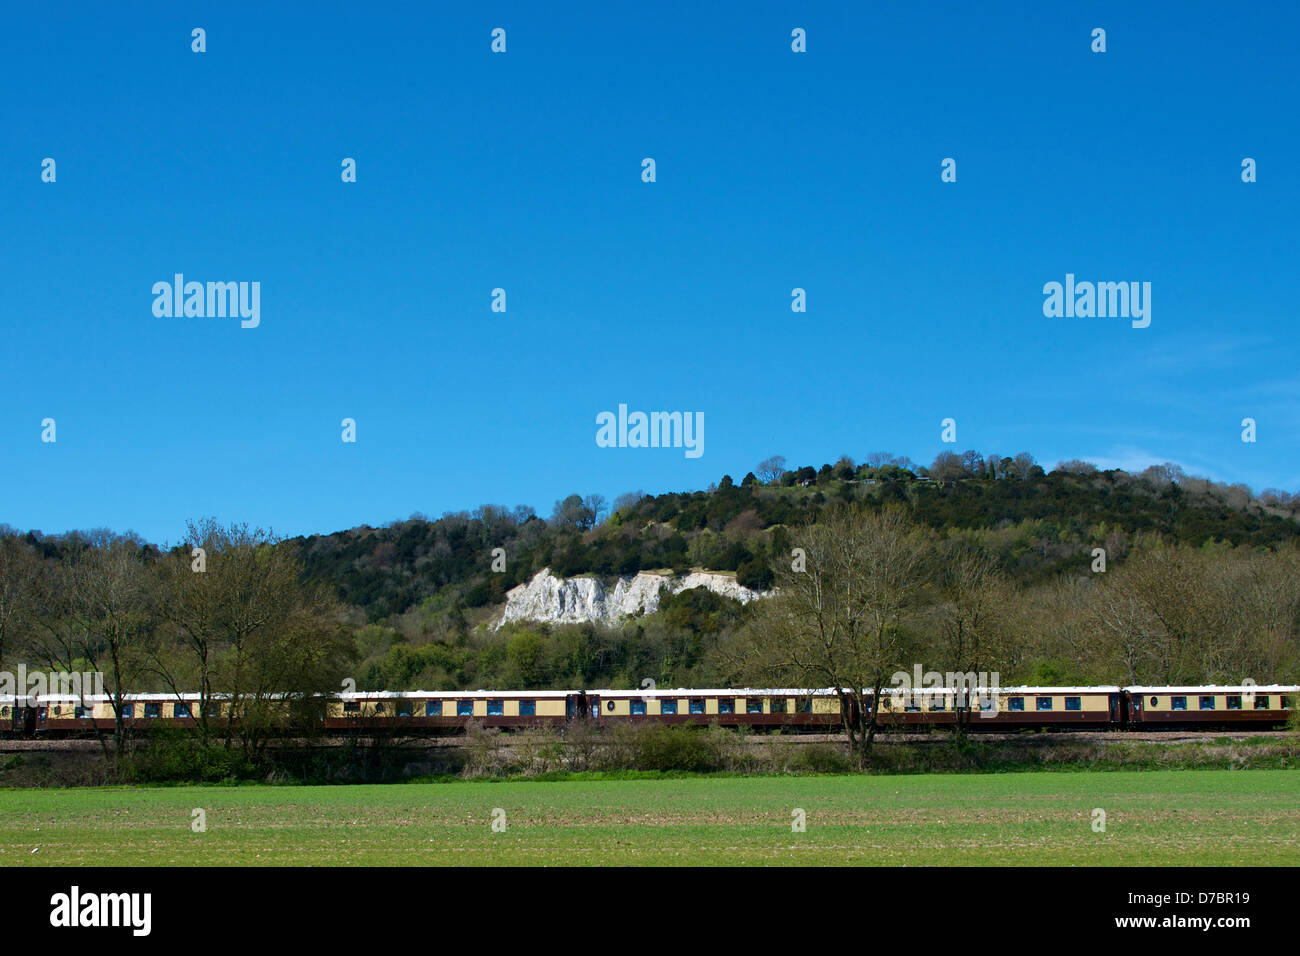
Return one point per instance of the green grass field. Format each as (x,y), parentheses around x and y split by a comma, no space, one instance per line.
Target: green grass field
(1247,817)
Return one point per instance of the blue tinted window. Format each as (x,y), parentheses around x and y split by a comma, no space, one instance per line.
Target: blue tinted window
(667,706)
(128,711)
(697,705)
(1177,703)
(1073,703)
(153,710)
(528,708)
(496,708)
(726,705)
(638,707)
(403,708)
(1234,702)
(1207,702)
(1015,703)
(464,708)
(1042,703)
(1261,701)
(433,708)
(181,710)
(753,705)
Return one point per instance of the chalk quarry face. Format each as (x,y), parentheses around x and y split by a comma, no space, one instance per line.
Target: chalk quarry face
(547,598)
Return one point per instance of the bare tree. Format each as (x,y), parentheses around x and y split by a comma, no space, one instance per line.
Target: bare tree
(627,500)
(770,470)
(19,566)
(1022,466)
(597,507)
(94,611)
(840,622)
(973,614)
(247,632)
(946,466)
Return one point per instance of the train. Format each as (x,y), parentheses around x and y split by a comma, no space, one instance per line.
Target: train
(796,710)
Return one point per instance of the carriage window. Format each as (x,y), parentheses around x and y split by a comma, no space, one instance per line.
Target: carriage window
(528,708)
(753,705)
(464,708)
(128,711)
(1074,703)
(82,711)
(697,705)
(804,705)
(40,713)
(1155,701)
(1234,702)
(1015,703)
(181,710)
(638,707)
(153,710)
(778,705)
(404,708)
(938,702)
(496,708)
(433,708)
(1261,701)
(726,705)
(1177,703)
(667,706)
(1207,702)
(351,706)
(1286,701)
(1042,703)
(911,702)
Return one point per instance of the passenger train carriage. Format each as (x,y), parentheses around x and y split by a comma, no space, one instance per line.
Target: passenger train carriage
(1003,708)
(1246,705)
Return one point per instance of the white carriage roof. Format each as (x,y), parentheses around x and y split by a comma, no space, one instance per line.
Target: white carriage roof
(827,691)
(1220,689)
(11,699)
(402,694)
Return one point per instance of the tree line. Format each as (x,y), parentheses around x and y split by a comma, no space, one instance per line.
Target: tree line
(876,592)
(228,615)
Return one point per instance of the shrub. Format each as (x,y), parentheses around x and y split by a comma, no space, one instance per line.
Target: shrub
(674,747)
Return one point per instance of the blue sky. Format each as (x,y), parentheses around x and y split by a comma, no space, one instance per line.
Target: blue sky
(522,170)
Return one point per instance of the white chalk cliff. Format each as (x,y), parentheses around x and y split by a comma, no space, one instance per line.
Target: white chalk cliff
(576,600)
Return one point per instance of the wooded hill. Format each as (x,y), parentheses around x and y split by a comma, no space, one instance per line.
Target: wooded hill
(1038,525)
(1201,583)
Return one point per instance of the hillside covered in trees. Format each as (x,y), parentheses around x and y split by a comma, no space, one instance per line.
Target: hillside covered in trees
(420,596)
(1037,524)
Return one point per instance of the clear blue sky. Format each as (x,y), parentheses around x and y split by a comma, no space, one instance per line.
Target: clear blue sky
(523,171)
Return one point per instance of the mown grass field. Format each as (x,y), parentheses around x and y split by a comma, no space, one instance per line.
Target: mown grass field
(1247,817)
